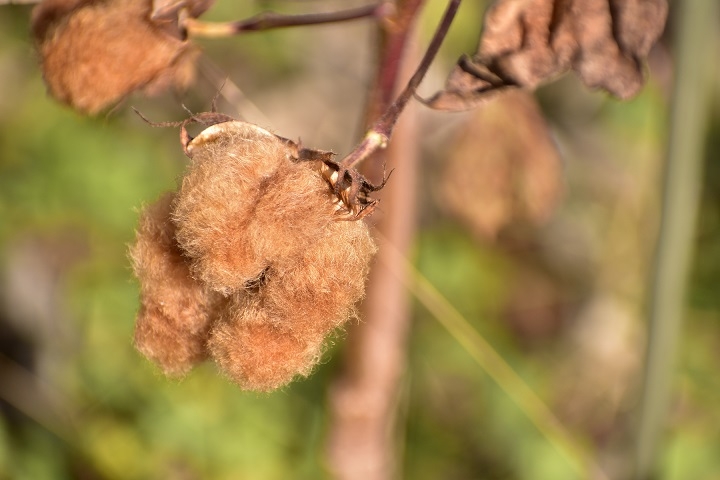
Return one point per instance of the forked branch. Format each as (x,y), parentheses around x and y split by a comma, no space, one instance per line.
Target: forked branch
(380,133)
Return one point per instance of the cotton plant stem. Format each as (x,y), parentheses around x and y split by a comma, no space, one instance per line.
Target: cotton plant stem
(681,195)
(272,20)
(393,36)
(389,111)
(364,399)
(362,443)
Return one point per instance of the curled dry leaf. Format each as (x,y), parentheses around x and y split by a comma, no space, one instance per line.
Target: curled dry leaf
(527,42)
(94,53)
(504,168)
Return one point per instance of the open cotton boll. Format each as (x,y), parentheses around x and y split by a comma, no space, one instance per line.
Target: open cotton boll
(94,53)
(245,202)
(250,262)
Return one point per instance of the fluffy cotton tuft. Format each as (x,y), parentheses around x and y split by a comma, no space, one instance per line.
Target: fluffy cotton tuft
(256,242)
(96,52)
(176,311)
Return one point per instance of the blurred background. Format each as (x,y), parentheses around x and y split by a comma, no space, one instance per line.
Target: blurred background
(543,243)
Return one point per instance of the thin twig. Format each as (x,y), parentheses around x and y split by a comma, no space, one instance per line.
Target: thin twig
(380,133)
(272,20)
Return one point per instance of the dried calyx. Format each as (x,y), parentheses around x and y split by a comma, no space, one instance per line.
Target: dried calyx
(253,247)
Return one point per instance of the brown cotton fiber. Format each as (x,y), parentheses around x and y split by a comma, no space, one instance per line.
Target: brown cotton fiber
(176,311)
(315,291)
(302,299)
(244,204)
(94,53)
(259,356)
(253,240)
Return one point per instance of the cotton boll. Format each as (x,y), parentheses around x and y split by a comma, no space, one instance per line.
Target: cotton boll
(244,203)
(94,53)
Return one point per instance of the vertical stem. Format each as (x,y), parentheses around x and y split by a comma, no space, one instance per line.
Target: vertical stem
(681,194)
(364,398)
(392,40)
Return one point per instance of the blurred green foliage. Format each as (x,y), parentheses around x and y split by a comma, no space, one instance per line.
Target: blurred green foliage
(117,417)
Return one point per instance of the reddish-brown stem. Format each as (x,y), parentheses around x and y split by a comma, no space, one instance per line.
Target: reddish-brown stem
(379,134)
(362,443)
(272,20)
(391,48)
(364,401)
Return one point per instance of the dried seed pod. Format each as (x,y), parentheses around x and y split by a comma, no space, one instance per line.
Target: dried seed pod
(245,203)
(528,42)
(503,169)
(176,312)
(96,52)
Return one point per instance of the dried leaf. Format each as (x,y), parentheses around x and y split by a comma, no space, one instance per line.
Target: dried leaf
(504,169)
(528,42)
(167,13)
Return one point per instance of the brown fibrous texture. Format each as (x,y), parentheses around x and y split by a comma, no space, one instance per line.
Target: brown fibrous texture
(254,237)
(302,300)
(94,53)
(244,203)
(176,311)
(260,357)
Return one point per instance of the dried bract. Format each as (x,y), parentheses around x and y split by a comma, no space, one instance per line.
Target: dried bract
(526,43)
(95,52)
